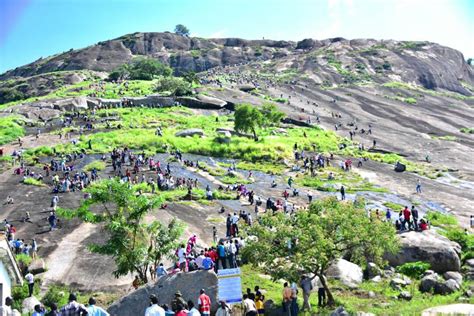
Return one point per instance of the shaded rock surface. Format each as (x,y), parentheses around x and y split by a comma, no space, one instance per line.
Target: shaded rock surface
(188,284)
(190,132)
(452,309)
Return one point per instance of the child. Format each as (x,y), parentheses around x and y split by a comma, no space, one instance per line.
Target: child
(259,305)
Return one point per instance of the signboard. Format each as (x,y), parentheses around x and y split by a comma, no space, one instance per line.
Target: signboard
(229,285)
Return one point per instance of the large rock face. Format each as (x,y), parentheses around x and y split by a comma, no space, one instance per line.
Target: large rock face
(347,272)
(428,64)
(428,246)
(188,284)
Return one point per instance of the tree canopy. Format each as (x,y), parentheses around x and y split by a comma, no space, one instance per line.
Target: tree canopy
(248,117)
(173,85)
(317,236)
(180,29)
(141,69)
(133,243)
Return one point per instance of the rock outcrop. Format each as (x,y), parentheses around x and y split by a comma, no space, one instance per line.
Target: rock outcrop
(433,283)
(202,102)
(188,284)
(452,309)
(190,132)
(428,246)
(347,272)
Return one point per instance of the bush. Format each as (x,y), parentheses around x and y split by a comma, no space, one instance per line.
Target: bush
(414,269)
(23,259)
(55,294)
(141,69)
(440,219)
(173,85)
(19,293)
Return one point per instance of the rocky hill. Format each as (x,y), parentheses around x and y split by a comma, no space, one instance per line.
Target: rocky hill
(329,61)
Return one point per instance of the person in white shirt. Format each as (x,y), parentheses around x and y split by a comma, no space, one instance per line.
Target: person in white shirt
(154,309)
(31,283)
(200,259)
(182,258)
(192,311)
(223,310)
(249,307)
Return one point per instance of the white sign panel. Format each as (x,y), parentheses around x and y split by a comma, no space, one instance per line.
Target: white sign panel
(229,285)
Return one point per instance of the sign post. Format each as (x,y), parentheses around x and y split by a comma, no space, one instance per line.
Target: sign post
(229,285)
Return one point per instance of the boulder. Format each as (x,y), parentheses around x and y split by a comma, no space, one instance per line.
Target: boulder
(376,279)
(405,295)
(433,283)
(188,284)
(202,102)
(37,266)
(347,272)
(246,87)
(340,311)
(28,305)
(190,132)
(372,270)
(427,246)
(453,275)
(429,282)
(71,104)
(398,283)
(224,134)
(452,309)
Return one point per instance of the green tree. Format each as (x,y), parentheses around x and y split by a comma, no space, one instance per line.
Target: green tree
(469,61)
(180,29)
(173,85)
(141,69)
(326,231)
(247,119)
(271,114)
(133,243)
(191,77)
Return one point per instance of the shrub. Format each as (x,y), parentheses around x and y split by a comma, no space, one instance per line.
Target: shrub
(440,219)
(173,85)
(410,100)
(23,259)
(414,269)
(55,294)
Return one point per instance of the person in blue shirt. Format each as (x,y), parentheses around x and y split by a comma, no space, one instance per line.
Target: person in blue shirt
(160,271)
(207,263)
(93,310)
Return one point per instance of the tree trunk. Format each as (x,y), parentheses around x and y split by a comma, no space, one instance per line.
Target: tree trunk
(255,137)
(330,299)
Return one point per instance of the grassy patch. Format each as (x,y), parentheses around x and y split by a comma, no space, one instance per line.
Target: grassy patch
(99,165)
(467,130)
(351,181)
(265,167)
(235,179)
(393,206)
(33,181)
(10,128)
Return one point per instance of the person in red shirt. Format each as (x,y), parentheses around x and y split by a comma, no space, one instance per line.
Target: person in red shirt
(406,216)
(204,303)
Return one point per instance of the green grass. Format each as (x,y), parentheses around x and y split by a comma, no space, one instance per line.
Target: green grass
(393,206)
(230,179)
(217,171)
(135,88)
(441,220)
(410,100)
(265,167)
(354,300)
(99,165)
(33,181)
(467,130)
(10,128)
(352,182)
(407,86)
(446,137)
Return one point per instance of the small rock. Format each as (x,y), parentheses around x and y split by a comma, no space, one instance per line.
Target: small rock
(428,282)
(37,266)
(447,287)
(190,132)
(340,311)
(376,279)
(372,270)
(371,294)
(453,275)
(404,295)
(397,283)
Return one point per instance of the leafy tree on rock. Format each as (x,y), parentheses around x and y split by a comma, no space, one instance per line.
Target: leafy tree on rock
(141,69)
(326,231)
(247,119)
(173,85)
(180,29)
(271,114)
(133,243)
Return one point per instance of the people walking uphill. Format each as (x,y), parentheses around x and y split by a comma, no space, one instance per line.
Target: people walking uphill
(31,283)
(307,287)
(418,186)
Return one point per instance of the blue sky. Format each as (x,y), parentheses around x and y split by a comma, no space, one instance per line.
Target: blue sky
(30,29)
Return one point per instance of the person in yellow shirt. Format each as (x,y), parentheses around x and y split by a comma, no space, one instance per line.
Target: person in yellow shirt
(259,304)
